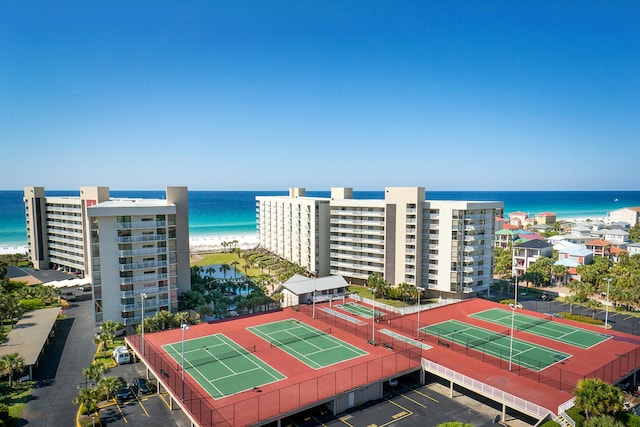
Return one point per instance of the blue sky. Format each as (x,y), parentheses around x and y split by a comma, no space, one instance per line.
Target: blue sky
(455,95)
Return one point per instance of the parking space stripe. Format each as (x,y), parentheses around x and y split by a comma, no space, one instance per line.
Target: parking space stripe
(120,410)
(141,405)
(412,400)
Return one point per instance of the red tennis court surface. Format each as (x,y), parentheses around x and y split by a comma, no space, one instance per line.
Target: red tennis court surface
(303,387)
(611,361)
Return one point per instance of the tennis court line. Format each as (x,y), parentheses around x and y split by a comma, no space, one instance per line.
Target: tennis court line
(286,348)
(549,329)
(222,342)
(495,347)
(351,351)
(343,316)
(407,340)
(253,360)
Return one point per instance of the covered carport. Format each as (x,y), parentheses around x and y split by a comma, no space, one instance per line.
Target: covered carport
(29,336)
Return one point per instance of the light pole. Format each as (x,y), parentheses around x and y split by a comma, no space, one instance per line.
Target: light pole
(420,290)
(373,319)
(184,327)
(513,315)
(314,297)
(143,296)
(606,307)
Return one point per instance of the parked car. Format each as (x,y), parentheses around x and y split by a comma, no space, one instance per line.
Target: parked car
(121,355)
(124,391)
(144,386)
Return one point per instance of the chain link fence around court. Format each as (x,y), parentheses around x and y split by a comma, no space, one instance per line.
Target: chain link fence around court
(556,376)
(266,406)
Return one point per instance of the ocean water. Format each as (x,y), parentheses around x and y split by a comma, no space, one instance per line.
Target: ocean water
(229,213)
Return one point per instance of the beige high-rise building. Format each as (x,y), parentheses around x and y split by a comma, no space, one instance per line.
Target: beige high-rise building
(56,228)
(133,249)
(294,228)
(442,246)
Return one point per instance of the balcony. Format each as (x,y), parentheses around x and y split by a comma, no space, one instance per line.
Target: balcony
(149,303)
(357,212)
(140,224)
(143,238)
(359,231)
(149,291)
(142,252)
(143,279)
(142,265)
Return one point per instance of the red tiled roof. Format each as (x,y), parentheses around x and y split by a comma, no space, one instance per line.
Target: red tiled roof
(510,227)
(598,242)
(616,250)
(546,214)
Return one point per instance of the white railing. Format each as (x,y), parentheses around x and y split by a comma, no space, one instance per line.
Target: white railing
(404,310)
(496,394)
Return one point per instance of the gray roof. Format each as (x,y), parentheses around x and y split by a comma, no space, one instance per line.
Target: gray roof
(534,244)
(30,334)
(303,285)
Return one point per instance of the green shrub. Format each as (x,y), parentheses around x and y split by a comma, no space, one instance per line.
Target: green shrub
(576,415)
(32,304)
(4,412)
(550,423)
(579,318)
(507,301)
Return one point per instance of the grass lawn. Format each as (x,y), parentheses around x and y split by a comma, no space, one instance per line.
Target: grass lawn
(224,258)
(16,398)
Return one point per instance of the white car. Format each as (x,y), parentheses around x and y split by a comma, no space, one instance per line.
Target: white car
(120,349)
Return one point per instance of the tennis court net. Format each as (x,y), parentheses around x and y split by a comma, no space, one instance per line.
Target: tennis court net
(534,322)
(489,338)
(299,337)
(213,357)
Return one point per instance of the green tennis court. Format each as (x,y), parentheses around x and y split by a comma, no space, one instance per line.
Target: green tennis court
(314,347)
(360,310)
(523,353)
(221,366)
(543,327)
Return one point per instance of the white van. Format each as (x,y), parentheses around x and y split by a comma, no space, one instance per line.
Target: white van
(121,355)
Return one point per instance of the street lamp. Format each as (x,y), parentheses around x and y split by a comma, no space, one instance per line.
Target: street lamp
(420,290)
(143,296)
(606,307)
(373,319)
(513,306)
(184,327)
(314,297)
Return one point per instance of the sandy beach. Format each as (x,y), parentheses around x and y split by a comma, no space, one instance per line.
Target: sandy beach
(197,244)
(204,244)
(13,249)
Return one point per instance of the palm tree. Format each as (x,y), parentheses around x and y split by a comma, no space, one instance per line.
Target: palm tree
(10,363)
(603,421)
(108,385)
(224,268)
(94,372)
(234,264)
(87,397)
(109,328)
(596,397)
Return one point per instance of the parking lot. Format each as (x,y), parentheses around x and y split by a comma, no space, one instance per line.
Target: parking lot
(139,408)
(408,403)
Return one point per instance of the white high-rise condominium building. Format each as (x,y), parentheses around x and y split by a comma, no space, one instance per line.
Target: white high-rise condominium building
(442,246)
(139,256)
(56,228)
(294,228)
(131,248)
